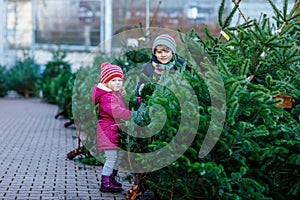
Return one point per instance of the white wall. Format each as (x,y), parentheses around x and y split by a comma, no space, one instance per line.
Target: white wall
(19,23)
(76,59)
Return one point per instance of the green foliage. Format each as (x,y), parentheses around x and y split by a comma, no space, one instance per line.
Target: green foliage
(257,154)
(55,79)
(64,96)
(89,160)
(132,58)
(229,17)
(3,87)
(23,77)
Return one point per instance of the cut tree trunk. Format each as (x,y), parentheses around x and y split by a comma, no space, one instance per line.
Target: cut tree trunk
(27,94)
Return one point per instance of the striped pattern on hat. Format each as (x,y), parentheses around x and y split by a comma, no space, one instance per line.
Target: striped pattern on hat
(109,72)
(165,40)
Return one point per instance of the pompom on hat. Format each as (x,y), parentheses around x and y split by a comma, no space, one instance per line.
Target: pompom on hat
(109,72)
(166,40)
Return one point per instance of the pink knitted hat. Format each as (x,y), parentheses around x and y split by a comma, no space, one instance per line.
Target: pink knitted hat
(110,71)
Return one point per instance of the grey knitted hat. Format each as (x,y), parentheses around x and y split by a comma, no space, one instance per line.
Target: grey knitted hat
(165,40)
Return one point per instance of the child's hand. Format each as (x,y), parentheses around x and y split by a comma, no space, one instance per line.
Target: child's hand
(141,116)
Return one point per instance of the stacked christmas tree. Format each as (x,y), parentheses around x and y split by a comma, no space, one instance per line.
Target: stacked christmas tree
(257,154)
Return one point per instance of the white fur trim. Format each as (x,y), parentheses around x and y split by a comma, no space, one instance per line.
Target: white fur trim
(103,87)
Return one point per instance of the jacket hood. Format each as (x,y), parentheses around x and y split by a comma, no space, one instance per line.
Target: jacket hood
(99,90)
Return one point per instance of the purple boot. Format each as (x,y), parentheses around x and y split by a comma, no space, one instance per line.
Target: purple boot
(108,186)
(113,178)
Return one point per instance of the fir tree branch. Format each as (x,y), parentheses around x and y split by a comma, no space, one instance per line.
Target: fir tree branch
(283,83)
(253,64)
(285,5)
(257,133)
(172,190)
(229,17)
(128,155)
(294,9)
(284,62)
(208,34)
(244,68)
(155,13)
(224,67)
(256,114)
(243,50)
(293,16)
(221,11)
(276,10)
(237,5)
(258,29)
(265,21)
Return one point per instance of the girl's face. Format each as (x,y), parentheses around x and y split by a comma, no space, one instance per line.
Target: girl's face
(163,54)
(115,84)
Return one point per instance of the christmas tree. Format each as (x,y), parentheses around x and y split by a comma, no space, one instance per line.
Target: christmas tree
(227,129)
(257,154)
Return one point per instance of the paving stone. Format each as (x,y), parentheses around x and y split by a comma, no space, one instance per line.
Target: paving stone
(33,163)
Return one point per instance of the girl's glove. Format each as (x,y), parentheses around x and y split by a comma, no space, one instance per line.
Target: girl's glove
(141,116)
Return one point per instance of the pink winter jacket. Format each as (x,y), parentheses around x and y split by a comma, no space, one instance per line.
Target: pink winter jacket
(112,108)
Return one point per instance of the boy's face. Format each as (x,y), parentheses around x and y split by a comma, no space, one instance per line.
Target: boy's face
(115,84)
(163,54)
